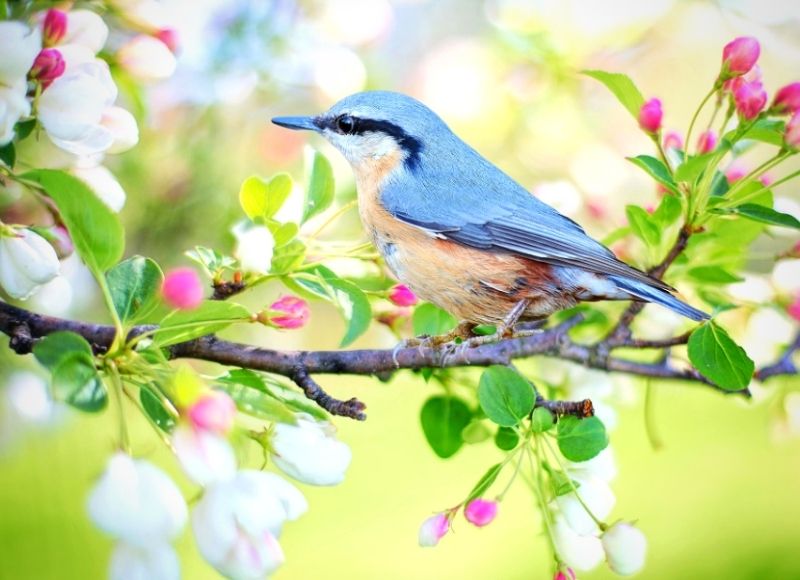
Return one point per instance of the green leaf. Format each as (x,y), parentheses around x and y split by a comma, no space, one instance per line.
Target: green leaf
(506,438)
(542,420)
(263,199)
(561,483)
(287,258)
(262,405)
(668,211)
(443,420)
(766,130)
(287,396)
(77,383)
(134,284)
(210,317)
(581,439)
(8,155)
(713,275)
(718,358)
(211,260)
(693,167)
(25,128)
(320,190)
(623,88)
(160,415)
(505,396)
(655,169)
(643,226)
(485,482)
(475,432)
(762,214)
(431,320)
(95,230)
(55,347)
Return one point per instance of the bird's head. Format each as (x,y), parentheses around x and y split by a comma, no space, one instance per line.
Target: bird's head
(372,125)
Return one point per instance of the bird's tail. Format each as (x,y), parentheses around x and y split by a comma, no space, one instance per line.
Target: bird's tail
(650,293)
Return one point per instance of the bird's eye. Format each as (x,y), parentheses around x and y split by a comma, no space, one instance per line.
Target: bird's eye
(346,124)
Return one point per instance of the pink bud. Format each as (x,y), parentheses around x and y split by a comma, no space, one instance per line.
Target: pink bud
(735,172)
(793,309)
(433,529)
(393,317)
(182,289)
(739,56)
(212,411)
(707,141)
(753,75)
(61,242)
(48,66)
(480,512)
(295,312)
(792,133)
(569,574)
(673,140)
(650,116)
(787,100)
(168,36)
(54,26)
(750,99)
(401,295)
(766,179)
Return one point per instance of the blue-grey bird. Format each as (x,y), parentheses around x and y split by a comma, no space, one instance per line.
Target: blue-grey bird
(461,233)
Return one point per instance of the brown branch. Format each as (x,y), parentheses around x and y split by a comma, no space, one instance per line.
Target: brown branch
(580,409)
(784,365)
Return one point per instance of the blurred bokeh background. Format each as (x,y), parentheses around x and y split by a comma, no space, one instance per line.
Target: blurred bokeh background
(717,500)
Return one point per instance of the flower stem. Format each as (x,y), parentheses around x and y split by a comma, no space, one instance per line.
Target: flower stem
(697,114)
(116,382)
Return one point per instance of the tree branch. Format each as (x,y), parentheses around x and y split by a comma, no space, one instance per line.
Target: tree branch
(784,365)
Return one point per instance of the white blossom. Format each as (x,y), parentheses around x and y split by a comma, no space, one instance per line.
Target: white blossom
(598,497)
(625,546)
(137,502)
(580,552)
(14,105)
(309,451)
(19,46)
(85,28)
(123,129)
(71,109)
(601,466)
(103,183)
(146,58)
(26,262)
(152,562)
(236,523)
(205,456)
(254,248)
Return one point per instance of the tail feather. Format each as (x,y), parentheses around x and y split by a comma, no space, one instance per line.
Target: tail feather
(658,296)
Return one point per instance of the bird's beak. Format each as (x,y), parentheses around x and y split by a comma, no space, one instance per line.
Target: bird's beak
(296,123)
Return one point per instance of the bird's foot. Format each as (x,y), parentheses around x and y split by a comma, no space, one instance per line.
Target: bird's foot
(443,342)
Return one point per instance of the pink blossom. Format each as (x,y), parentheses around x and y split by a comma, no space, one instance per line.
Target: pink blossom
(750,99)
(707,141)
(401,295)
(793,309)
(739,56)
(213,411)
(182,289)
(480,512)
(673,140)
(787,99)
(650,116)
(433,529)
(735,172)
(792,133)
(766,179)
(169,36)
(569,574)
(54,27)
(753,75)
(295,312)
(48,66)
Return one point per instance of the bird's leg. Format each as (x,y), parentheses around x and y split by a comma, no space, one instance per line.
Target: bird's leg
(506,327)
(462,331)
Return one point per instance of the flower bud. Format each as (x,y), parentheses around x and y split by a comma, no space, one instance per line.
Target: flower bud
(58,237)
(293,312)
(146,58)
(123,128)
(401,295)
(309,452)
(182,289)
(480,512)
(54,27)
(707,141)
(673,140)
(595,494)
(787,100)
(650,116)
(739,56)
(158,561)
(793,309)
(137,502)
(579,552)
(734,172)
(169,36)
(26,262)
(750,99)
(205,456)
(433,529)
(625,547)
(393,318)
(213,411)
(568,574)
(48,66)
(792,133)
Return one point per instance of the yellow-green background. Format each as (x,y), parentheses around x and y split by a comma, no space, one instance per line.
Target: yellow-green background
(719,500)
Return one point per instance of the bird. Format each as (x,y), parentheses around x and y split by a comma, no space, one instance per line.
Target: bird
(461,233)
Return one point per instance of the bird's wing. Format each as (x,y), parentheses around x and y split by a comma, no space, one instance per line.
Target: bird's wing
(507,219)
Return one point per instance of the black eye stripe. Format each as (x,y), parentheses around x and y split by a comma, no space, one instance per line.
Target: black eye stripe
(410,144)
